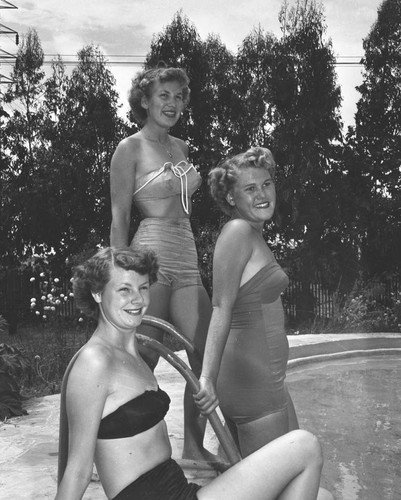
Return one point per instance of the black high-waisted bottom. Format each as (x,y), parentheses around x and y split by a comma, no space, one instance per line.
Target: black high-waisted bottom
(165,482)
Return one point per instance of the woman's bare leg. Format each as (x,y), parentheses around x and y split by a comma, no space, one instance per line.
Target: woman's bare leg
(159,307)
(288,468)
(190,310)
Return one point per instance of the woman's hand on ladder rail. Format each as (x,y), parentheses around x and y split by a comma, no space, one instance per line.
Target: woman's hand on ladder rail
(206,398)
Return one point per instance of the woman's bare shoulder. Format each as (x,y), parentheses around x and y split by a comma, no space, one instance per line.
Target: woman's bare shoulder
(235,240)
(131,143)
(237,228)
(126,155)
(94,357)
(183,146)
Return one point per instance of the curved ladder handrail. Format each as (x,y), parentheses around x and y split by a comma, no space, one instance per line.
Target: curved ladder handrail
(222,434)
(168,328)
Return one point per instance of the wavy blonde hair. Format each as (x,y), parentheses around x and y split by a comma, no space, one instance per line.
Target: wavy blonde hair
(223,177)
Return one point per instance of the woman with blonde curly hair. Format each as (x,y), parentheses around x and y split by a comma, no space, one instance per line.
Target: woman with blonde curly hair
(247,348)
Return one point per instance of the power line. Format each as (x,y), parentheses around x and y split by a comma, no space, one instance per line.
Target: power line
(8,5)
(128,60)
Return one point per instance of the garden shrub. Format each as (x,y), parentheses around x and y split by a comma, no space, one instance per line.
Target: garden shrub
(14,366)
(370,309)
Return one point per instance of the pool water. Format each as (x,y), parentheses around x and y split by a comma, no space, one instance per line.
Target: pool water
(354,406)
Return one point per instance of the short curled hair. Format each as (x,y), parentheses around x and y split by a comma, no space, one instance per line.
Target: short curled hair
(142,86)
(94,274)
(223,177)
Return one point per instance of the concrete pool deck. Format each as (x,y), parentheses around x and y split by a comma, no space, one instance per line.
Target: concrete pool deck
(29,444)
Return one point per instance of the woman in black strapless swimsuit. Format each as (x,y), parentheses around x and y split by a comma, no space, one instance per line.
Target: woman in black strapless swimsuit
(115,408)
(151,170)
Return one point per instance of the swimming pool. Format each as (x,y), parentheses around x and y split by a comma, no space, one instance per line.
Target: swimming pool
(354,406)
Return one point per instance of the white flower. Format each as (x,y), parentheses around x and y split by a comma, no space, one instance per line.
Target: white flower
(56,280)
(32,279)
(71,294)
(58,302)
(61,296)
(33,299)
(42,275)
(43,297)
(37,313)
(44,316)
(80,320)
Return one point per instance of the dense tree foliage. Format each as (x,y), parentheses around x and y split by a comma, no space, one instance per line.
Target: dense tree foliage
(339,200)
(376,144)
(58,143)
(306,99)
(83,131)
(22,143)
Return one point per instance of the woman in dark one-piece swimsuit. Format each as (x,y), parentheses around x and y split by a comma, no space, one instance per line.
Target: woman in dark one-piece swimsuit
(247,349)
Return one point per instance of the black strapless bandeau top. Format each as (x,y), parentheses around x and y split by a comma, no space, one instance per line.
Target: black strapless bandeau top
(135,416)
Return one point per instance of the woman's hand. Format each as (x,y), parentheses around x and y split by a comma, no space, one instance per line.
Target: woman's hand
(206,398)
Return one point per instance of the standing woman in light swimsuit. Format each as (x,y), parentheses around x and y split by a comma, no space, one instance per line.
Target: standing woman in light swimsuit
(151,169)
(247,348)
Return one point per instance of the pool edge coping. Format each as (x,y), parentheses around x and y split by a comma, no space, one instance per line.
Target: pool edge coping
(341,346)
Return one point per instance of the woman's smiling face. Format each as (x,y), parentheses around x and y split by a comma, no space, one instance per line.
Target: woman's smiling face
(166,103)
(253,195)
(125,298)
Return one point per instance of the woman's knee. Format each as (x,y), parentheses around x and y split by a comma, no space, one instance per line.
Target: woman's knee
(309,445)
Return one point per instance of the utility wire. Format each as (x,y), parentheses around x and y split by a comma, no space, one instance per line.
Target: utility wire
(128,60)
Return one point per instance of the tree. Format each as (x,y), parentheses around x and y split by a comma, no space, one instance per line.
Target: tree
(306,100)
(22,141)
(377,142)
(83,128)
(253,106)
(59,142)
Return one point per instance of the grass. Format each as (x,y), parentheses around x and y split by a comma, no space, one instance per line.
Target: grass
(49,347)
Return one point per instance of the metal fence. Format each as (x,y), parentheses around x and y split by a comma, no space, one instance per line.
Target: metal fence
(17,288)
(301,300)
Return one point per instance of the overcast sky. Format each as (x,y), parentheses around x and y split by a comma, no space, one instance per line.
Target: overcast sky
(125,28)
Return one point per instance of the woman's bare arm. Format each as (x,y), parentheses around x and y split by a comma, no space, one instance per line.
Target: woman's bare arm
(232,253)
(87,391)
(122,184)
